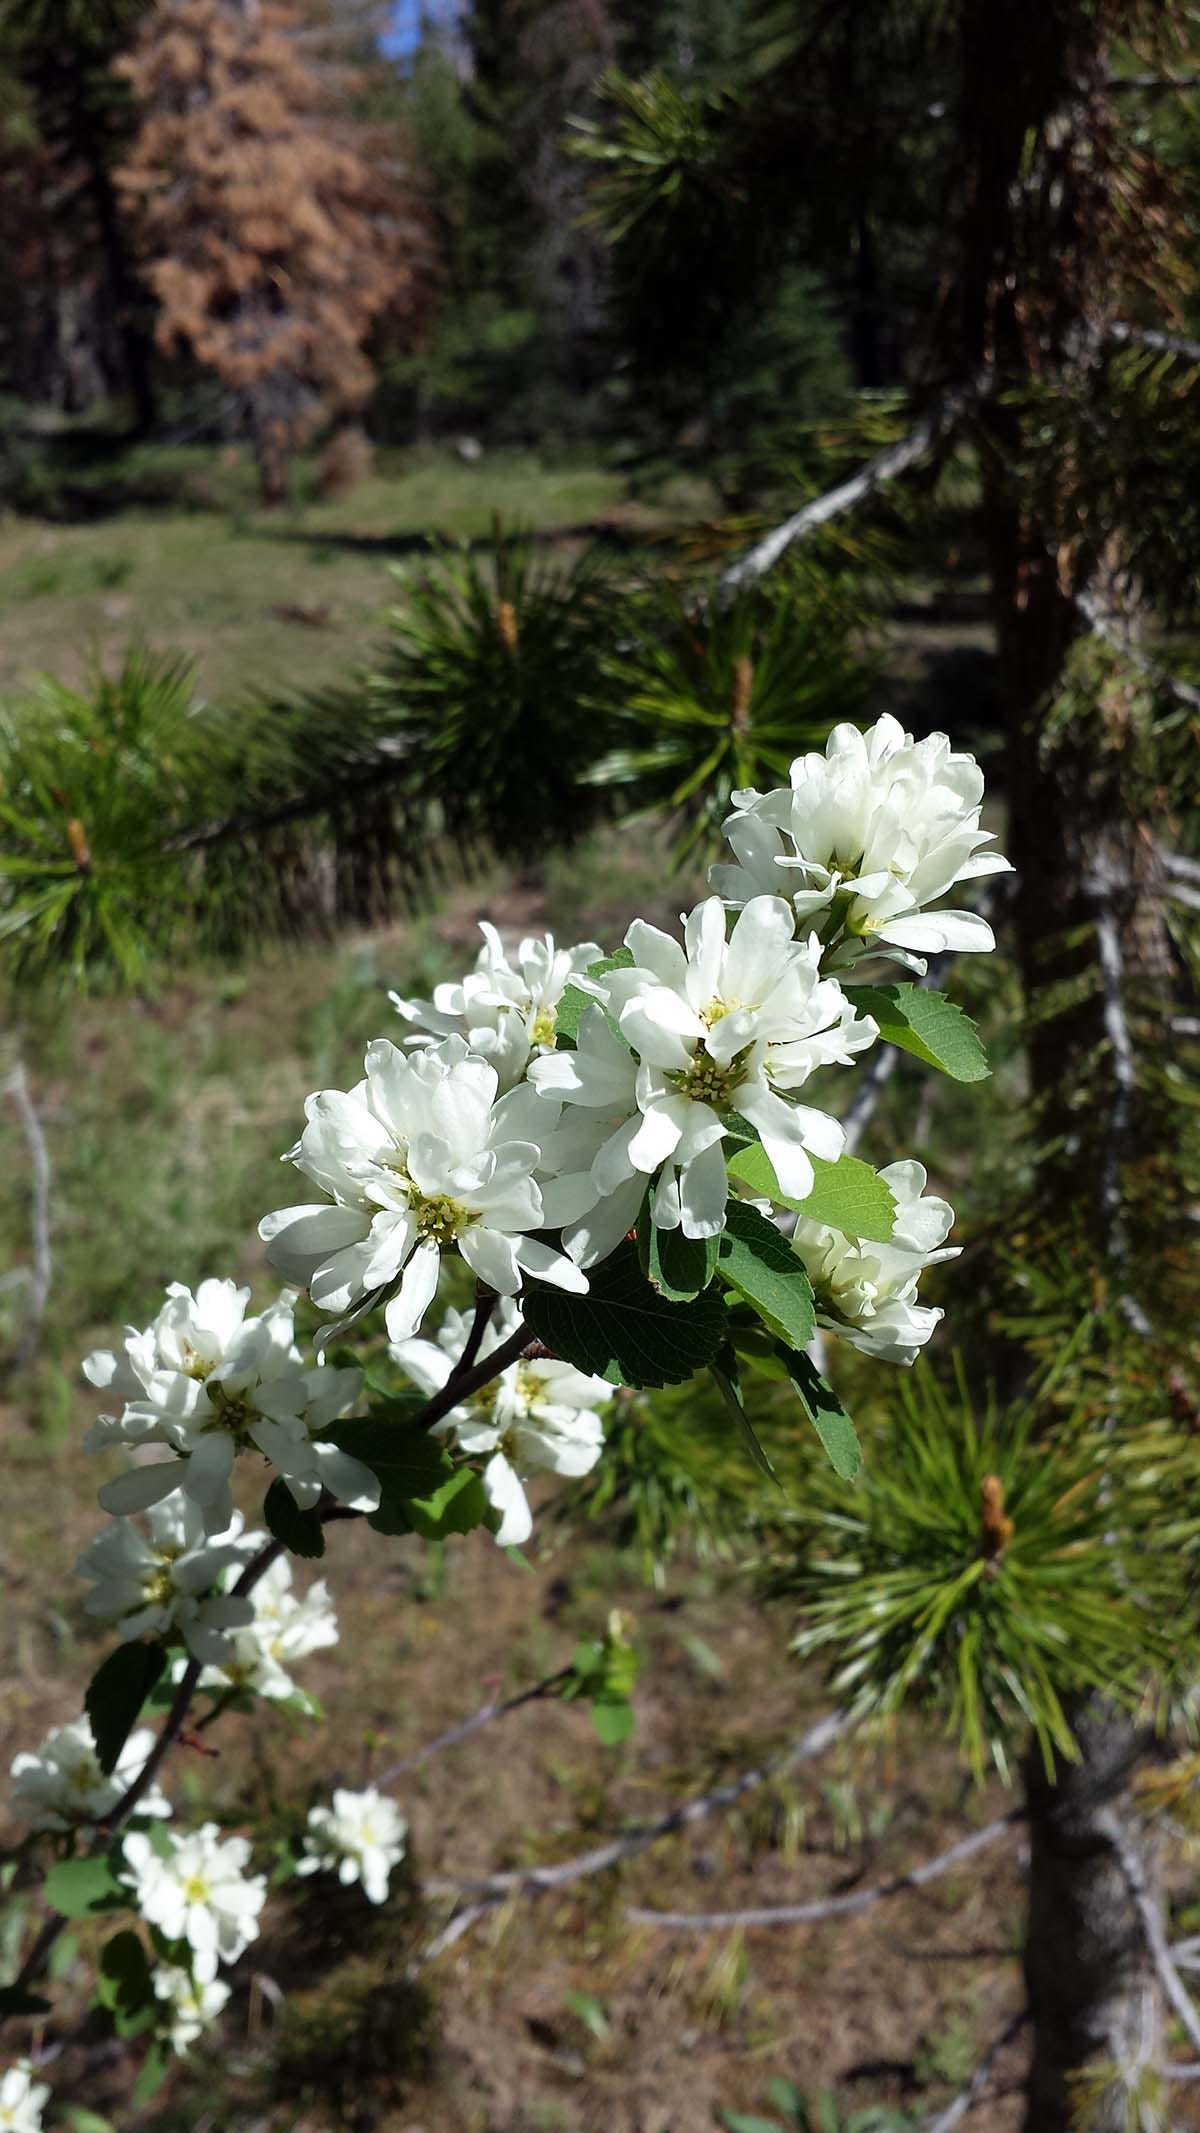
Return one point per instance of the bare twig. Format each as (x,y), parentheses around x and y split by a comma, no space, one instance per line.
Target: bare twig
(465,1727)
(804,1914)
(942,418)
(1150,1918)
(16,1085)
(1179,865)
(968,2097)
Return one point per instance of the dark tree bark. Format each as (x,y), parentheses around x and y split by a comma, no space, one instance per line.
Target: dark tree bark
(1093,1991)
(1035,282)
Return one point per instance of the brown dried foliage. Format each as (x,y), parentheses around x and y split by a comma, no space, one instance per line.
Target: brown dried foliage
(275,241)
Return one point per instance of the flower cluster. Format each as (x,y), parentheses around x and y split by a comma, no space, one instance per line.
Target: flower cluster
(359,1837)
(492,1130)
(864,839)
(62,1785)
(22,2099)
(505,1014)
(537,1415)
(206,1382)
(284,1628)
(169,1581)
(867,1293)
(195,1891)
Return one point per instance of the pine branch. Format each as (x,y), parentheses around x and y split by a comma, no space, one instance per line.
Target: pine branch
(1152,84)
(805,1914)
(1106,625)
(1173,344)
(1150,1919)
(940,422)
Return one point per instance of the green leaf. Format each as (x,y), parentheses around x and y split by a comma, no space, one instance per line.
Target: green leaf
(115,1695)
(745,2122)
(728,1383)
(590,2012)
(81,1887)
(574,1003)
(81,2120)
(926,1024)
(848,1194)
(761,1265)
(623,1330)
(300,1531)
(612,1720)
(155,2067)
(826,1413)
(458,1506)
(678,1267)
(409,1465)
(14,2000)
(123,1982)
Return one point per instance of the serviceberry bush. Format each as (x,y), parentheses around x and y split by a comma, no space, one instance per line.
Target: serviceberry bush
(619,1150)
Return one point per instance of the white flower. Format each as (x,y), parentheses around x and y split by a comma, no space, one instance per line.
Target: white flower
(536,1416)
(191,2005)
(588,1174)
(505,1013)
(419,1158)
(170,1581)
(207,1382)
(723,1026)
(22,2099)
(361,1837)
(867,1293)
(195,1889)
(62,1782)
(865,838)
(285,1628)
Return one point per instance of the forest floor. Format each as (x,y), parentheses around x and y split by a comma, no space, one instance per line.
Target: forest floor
(165,1117)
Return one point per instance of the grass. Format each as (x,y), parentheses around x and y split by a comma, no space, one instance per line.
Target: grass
(259,599)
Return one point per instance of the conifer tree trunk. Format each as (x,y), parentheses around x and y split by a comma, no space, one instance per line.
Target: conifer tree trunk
(1035,284)
(1093,1994)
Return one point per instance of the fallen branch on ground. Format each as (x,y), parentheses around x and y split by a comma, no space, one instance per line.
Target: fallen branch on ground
(969,2096)
(535,1880)
(803,1914)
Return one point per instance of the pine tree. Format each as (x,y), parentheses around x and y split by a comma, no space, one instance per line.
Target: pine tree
(272,245)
